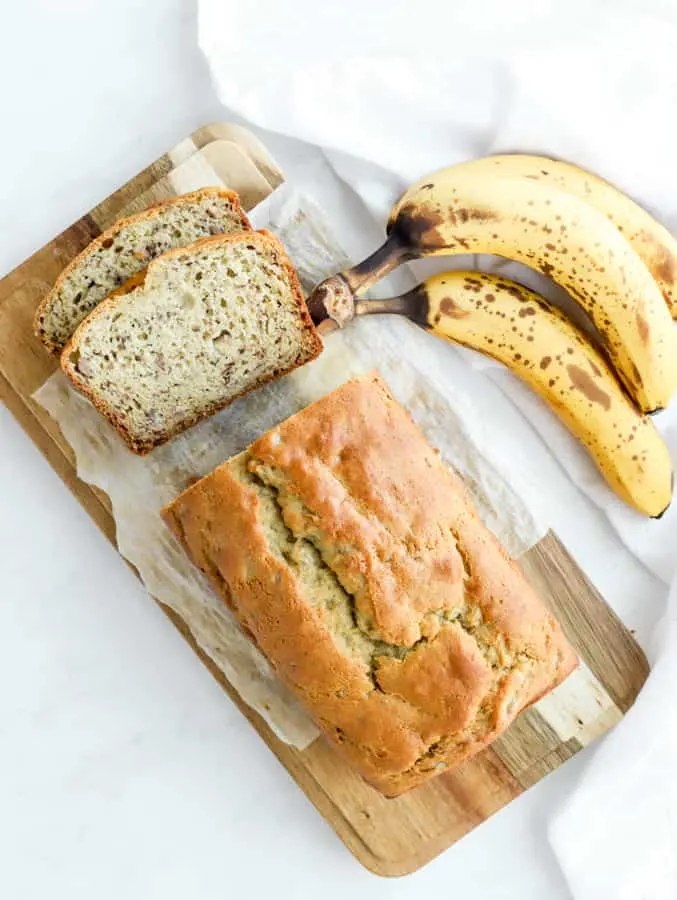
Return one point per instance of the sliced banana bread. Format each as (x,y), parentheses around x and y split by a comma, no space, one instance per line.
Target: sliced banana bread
(209,323)
(125,249)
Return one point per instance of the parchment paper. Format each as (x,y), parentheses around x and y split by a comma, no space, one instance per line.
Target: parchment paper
(420,373)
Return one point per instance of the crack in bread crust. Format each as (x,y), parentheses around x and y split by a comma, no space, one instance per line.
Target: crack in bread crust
(469,617)
(360,567)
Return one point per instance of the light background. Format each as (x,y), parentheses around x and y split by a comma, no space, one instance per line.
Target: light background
(124,770)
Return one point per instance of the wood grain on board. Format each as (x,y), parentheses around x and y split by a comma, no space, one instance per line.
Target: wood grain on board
(390,837)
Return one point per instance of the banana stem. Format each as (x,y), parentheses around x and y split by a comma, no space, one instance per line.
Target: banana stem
(333,303)
(413,305)
(376,266)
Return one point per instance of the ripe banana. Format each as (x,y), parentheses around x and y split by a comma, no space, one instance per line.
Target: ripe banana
(470,209)
(652,242)
(538,343)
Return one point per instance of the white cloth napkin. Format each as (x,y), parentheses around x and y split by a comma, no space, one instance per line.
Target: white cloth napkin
(591,82)
(616,837)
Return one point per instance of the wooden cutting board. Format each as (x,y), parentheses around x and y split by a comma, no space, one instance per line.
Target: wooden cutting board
(390,837)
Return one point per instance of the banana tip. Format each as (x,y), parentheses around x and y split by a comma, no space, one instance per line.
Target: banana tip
(661,514)
(332,304)
(667,507)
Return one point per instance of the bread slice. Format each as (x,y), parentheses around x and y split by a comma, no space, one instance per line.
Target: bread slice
(125,249)
(209,323)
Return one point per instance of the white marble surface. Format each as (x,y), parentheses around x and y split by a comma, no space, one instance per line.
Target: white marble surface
(124,770)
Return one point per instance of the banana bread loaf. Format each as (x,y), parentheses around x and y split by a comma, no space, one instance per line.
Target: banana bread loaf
(357,563)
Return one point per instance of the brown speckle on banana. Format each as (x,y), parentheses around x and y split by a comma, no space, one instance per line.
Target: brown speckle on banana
(474,208)
(538,343)
(661,260)
(653,243)
(417,226)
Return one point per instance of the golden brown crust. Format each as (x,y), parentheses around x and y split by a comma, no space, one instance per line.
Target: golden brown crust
(112,232)
(313,345)
(457,642)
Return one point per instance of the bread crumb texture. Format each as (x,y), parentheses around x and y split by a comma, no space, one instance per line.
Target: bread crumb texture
(358,564)
(209,323)
(126,249)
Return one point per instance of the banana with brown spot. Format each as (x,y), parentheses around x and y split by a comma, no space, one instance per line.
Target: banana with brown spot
(538,343)
(471,210)
(652,242)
